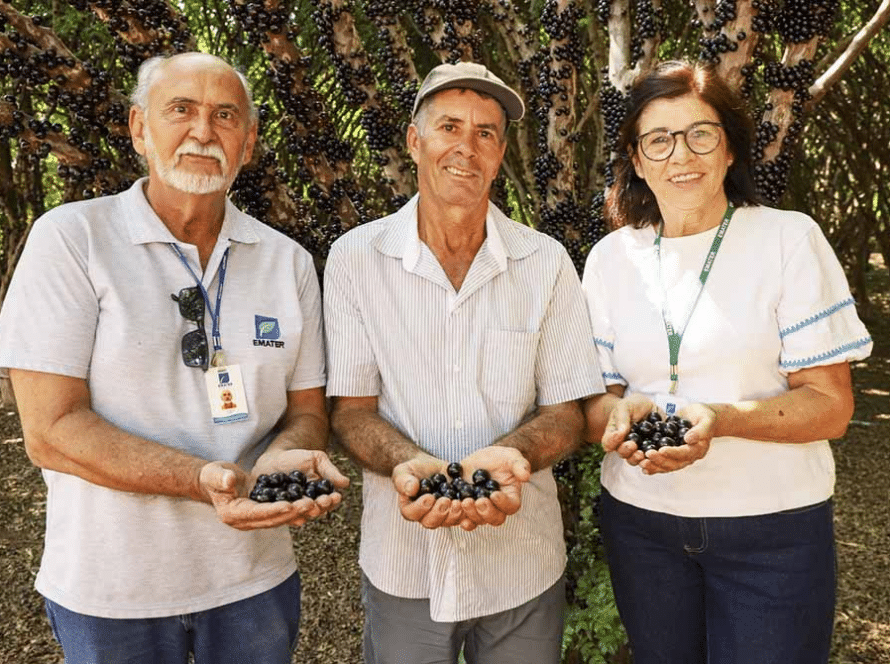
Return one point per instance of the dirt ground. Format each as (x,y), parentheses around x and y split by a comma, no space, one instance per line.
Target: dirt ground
(327,550)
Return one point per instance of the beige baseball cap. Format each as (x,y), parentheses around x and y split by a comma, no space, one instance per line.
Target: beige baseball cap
(475,77)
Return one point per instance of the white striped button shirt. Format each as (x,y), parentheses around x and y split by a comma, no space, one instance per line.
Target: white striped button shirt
(453,371)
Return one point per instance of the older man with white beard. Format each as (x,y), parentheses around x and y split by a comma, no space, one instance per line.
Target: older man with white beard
(153,548)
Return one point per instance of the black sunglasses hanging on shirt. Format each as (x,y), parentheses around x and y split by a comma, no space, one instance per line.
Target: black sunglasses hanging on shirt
(195,350)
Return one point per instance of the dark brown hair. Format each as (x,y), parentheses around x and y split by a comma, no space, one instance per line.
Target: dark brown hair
(630,201)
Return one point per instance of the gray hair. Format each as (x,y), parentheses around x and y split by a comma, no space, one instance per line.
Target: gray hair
(422,116)
(150,69)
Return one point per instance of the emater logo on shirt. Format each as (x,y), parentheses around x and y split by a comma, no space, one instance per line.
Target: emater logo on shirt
(267,332)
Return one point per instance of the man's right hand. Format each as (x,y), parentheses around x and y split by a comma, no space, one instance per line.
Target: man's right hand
(427,510)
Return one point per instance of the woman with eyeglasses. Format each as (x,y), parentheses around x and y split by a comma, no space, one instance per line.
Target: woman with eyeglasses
(736,317)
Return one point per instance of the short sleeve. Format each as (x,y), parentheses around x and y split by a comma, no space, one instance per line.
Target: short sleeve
(566,367)
(310,367)
(352,367)
(818,323)
(50,313)
(603,332)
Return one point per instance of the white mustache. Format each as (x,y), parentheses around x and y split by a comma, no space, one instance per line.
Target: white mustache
(192,147)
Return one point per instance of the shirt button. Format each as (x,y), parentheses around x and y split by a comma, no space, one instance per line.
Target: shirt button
(458,424)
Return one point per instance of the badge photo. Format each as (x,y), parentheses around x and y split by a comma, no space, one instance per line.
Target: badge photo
(225,392)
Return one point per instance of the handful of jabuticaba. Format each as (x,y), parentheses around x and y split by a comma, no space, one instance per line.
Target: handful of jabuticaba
(655,432)
(289,486)
(458,488)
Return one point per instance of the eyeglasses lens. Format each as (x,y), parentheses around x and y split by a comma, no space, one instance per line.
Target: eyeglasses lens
(701,139)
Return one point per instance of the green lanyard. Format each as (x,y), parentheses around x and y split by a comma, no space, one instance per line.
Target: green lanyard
(674,339)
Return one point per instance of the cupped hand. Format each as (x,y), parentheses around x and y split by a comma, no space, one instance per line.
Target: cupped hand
(315,464)
(226,485)
(628,410)
(510,469)
(697,442)
(427,510)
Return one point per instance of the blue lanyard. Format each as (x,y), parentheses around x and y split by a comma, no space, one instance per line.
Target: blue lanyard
(675,339)
(214,315)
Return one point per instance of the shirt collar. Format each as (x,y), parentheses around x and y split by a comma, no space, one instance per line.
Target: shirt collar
(145,225)
(504,238)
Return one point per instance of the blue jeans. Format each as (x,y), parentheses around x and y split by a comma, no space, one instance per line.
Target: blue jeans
(257,630)
(736,590)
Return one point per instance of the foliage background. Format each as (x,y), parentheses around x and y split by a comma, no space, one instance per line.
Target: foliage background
(335,81)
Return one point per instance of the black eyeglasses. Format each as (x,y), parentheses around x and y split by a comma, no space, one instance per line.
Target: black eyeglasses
(195,351)
(701,138)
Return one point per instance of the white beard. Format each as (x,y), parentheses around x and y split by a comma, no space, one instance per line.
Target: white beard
(192,183)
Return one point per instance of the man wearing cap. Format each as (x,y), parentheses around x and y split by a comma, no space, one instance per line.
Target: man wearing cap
(457,335)
(153,549)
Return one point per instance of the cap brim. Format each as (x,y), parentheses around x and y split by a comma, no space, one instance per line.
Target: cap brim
(507,98)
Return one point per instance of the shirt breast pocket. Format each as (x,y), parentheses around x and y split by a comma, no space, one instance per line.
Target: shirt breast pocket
(508,367)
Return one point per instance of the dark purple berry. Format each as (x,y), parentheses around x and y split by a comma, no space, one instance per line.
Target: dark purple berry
(265,495)
(454,470)
(480,476)
(466,491)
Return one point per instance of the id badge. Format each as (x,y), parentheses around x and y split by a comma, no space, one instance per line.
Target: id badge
(670,404)
(225,392)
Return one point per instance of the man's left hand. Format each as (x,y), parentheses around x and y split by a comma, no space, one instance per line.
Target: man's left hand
(511,470)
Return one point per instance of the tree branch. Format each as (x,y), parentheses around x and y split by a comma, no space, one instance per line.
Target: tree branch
(858,44)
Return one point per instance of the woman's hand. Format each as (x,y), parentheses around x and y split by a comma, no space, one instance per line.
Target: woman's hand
(697,442)
(625,412)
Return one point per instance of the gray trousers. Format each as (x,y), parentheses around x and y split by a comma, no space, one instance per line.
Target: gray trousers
(400,631)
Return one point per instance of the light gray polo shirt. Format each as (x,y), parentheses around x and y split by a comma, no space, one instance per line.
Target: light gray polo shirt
(453,371)
(91,299)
